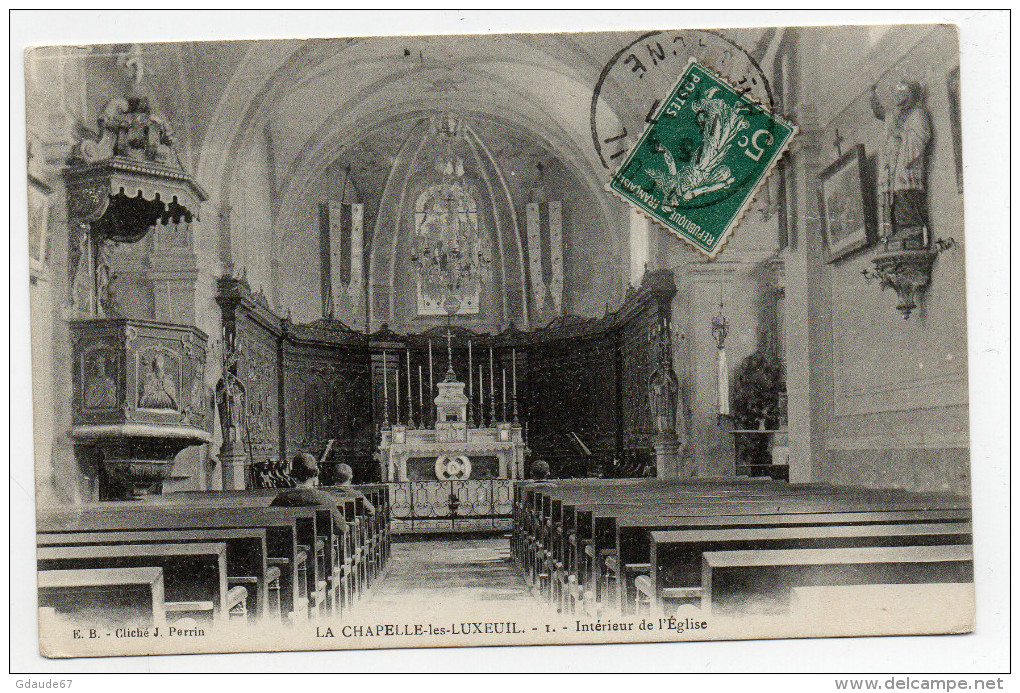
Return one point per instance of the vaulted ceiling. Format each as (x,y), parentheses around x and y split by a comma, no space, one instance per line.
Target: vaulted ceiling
(293,110)
(313,98)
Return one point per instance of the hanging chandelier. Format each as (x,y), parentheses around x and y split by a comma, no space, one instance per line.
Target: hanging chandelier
(447,248)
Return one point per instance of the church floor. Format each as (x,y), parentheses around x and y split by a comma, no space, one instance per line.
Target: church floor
(450,577)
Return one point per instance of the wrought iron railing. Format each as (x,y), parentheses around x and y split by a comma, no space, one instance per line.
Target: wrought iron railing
(445,506)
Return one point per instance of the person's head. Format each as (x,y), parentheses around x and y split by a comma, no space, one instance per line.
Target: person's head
(344,474)
(540,469)
(304,469)
(908,93)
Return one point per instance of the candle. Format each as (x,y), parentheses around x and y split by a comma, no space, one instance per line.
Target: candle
(504,393)
(421,398)
(432,380)
(385,392)
(492,388)
(396,390)
(515,371)
(724,384)
(471,377)
(481,395)
(410,407)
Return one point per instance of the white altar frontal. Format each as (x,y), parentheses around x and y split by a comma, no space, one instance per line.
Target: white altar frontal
(452,450)
(454,477)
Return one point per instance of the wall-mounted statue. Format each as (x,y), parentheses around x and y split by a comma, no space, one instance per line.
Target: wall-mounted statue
(902,167)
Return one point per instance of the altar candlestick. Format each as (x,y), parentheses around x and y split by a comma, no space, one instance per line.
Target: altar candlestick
(421,398)
(450,375)
(492,388)
(471,384)
(481,395)
(515,371)
(385,393)
(504,393)
(516,421)
(396,390)
(410,400)
(432,380)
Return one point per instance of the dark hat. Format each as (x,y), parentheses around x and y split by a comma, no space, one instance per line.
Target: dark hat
(540,469)
(304,467)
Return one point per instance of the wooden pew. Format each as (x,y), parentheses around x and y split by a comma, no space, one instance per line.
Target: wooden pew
(634,533)
(194,575)
(546,533)
(610,570)
(760,580)
(246,557)
(108,597)
(354,559)
(318,541)
(285,529)
(676,556)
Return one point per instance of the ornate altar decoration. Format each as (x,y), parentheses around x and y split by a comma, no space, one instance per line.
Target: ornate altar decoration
(139,397)
(905,262)
(121,181)
(453,468)
(455,449)
(447,248)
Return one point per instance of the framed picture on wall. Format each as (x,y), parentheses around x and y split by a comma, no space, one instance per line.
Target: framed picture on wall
(953,88)
(848,219)
(38,219)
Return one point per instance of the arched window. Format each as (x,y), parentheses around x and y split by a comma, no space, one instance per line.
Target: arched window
(448,250)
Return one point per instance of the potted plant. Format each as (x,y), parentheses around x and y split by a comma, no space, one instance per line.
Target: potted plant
(759,384)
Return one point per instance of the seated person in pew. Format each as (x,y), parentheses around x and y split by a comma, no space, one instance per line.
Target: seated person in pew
(344,474)
(540,470)
(305,471)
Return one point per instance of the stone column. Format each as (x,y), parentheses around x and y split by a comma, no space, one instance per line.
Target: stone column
(640,244)
(808,309)
(235,469)
(667,458)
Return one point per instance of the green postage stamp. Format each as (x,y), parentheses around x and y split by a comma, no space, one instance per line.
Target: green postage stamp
(699,163)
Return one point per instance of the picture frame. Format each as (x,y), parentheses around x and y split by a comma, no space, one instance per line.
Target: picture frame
(38,224)
(953,92)
(847,212)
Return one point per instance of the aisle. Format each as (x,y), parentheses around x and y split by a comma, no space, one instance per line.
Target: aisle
(472,576)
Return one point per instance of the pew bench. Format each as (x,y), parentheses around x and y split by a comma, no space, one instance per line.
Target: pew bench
(108,597)
(355,555)
(634,534)
(761,580)
(246,557)
(676,556)
(283,527)
(194,575)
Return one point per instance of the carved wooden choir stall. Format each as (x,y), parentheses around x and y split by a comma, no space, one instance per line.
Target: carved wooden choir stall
(593,397)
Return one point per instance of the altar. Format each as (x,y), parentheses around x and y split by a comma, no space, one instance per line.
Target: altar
(454,476)
(436,455)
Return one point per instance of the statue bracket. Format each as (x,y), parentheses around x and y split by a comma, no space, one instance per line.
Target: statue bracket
(907,272)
